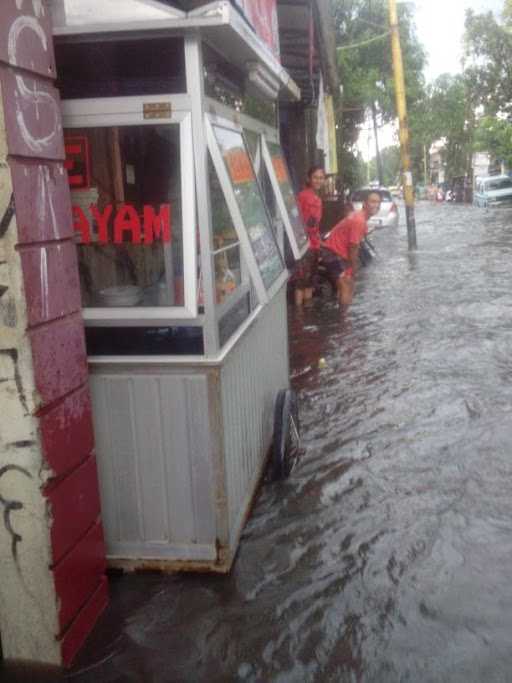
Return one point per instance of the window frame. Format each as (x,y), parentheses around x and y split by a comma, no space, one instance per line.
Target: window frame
(298,252)
(264,295)
(128,111)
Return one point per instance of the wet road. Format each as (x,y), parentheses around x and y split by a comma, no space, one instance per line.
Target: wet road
(388,556)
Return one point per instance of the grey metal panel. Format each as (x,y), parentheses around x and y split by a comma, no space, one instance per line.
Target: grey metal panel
(199,454)
(106,469)
(164,551)
(254,372)
(150,460)
(178,475)
(124,454)
(157,487)
(167,489)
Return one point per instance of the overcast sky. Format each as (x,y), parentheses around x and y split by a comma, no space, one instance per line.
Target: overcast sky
(440,25)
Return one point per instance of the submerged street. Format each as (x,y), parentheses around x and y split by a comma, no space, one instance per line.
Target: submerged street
(387,556)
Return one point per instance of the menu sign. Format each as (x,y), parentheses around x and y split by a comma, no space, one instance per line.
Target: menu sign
(251,204)
(283,178)
(239,166)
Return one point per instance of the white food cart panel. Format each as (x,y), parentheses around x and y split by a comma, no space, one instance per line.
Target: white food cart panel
(255,370)
(153,450)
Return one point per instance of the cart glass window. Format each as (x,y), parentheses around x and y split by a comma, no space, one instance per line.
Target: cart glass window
(253,141)
(280,176)
(226,254)
(126,190)
(121,68)
(250,203)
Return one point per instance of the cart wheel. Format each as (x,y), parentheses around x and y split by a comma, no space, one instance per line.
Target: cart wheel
(286,442)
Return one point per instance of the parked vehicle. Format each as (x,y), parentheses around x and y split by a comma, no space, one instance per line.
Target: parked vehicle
(421,192)
(493,191)
(388,214)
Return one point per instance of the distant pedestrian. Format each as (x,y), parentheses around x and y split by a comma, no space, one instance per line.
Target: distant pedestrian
(340,250)
(311,208)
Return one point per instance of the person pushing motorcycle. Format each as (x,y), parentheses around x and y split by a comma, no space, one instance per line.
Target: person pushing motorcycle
(340,249)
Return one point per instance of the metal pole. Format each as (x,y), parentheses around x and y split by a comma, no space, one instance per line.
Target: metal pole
(368,165)
(378,157)
(401,105)
(425,167)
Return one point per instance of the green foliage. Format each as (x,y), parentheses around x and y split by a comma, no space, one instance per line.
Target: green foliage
(366,71)
(354,169)
(507,14)
(488,54)
(494,135)
(445,112)
(390,157)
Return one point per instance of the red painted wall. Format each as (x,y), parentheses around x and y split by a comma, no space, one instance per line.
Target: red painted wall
(55,328)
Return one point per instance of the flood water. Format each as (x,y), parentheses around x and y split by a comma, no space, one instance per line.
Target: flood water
(387,557)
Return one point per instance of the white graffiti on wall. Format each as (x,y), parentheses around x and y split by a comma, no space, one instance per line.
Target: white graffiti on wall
(19,25)
(45,200)
(44,284)
(27,96)
(37,6)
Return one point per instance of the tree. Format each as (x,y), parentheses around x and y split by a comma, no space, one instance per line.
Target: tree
(364,60)
(488,55)
(450,118)
(494,135)
(390,165)
(507,14)
(446,113)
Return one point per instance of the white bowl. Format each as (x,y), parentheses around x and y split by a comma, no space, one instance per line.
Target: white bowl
(126,295)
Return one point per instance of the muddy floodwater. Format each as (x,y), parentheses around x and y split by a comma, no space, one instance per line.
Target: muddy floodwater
(387,557)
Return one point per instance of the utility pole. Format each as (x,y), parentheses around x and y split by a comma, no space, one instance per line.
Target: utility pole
(374,118)
(378,157)
(401,105)
(425,168)
(368,165)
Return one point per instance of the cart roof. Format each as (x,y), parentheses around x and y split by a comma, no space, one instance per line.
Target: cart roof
(219,23)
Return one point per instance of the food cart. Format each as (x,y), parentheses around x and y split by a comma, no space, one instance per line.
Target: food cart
(182,205)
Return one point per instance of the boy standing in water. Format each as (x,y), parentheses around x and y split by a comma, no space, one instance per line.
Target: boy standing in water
(340,251)
(310,205)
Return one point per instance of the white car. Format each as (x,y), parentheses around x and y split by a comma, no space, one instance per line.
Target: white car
(388,214)
(493,191)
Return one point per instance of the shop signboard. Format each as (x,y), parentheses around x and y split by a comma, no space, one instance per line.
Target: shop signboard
(77,162)
(128,226)
(262,15)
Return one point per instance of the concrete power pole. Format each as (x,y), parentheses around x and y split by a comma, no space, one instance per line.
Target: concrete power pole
(401,105)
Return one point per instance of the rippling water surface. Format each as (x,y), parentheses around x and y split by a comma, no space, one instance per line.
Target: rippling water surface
(388,556)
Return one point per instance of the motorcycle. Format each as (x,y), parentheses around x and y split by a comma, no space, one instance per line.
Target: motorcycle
(367,253)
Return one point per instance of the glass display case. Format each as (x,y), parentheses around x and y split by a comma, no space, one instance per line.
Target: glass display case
(132,188)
